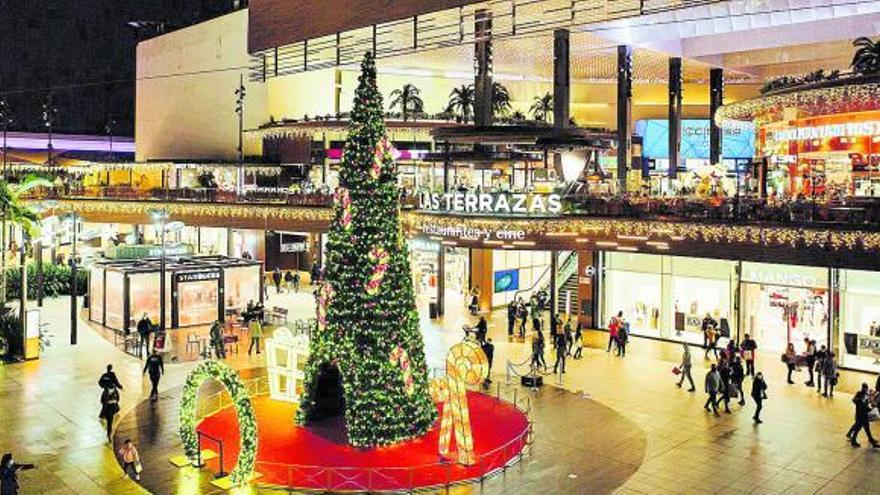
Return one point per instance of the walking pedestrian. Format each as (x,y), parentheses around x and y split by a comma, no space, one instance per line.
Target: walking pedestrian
(523,317)
(542,344)
(748,348)
(288,280)
(810,359)
(821,354)
(131,460)
(535,313)
(622,338)
(217,340)
(489,350)
(109,408)
(511,318)
(579,342)
(569,338)
(738,375)
(109,380)
(560,353)
(712,386)
(276,278)
(296,281)
(829,369)
(554,330)
(685,367)
(862,408)
(707,322)
(726,379)
(538,352)
(144,326)
(255,328)
(156,368)
(759,395)
(613,329)
(711,341)
(790,359)
(8,474)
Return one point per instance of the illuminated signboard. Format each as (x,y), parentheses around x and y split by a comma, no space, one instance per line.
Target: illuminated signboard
(493,204)
(736,142)
(473,234)
(851,129)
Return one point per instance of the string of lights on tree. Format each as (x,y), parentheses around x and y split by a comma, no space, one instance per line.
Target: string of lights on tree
(247,422)
(368,324)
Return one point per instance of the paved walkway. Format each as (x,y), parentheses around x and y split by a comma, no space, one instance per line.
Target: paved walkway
(49,416)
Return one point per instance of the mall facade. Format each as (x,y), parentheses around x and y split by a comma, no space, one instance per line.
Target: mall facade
(641,164)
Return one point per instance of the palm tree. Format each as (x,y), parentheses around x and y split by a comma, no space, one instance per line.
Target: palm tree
(866,59)
(14,210)
(462,100)
(542,107)
(500,100)
(409,101)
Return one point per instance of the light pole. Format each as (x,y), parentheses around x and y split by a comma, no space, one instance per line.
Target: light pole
(73,281)
(50,113)
(239,110)
(111,124)
(160,216)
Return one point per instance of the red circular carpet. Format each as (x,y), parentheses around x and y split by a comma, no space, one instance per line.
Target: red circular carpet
(318,457)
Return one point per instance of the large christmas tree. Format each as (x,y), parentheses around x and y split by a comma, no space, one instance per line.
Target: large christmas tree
(368,328)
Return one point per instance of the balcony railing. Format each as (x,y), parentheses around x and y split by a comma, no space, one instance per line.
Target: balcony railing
(850,212)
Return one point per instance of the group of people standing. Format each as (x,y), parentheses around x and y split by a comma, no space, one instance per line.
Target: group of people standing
(289,280)
(519,313)
(819,361)
(618,334)
(567,342)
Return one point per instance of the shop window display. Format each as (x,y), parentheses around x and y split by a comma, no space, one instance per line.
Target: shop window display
(638,296)
(693,299)
(776,315)
(859,338)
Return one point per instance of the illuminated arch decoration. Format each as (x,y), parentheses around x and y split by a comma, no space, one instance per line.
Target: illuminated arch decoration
(247,422)
(466,364)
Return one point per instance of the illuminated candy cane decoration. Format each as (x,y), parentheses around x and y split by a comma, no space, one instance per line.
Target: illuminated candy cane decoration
(466,364)
(380,155)
(325,295)
(379,257)
(343,200)
(400,357)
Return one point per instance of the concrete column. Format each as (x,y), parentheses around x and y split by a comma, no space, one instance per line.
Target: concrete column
(624,113)
(561,78)
(716,100)
(675,93)
(230,241)
(483,68)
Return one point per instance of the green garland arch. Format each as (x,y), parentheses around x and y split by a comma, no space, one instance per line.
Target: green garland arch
(247,422)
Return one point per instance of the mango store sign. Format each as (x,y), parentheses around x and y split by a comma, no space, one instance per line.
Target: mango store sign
(473,234)
(492,204)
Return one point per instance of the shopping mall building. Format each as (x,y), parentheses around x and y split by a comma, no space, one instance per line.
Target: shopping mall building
(653,159)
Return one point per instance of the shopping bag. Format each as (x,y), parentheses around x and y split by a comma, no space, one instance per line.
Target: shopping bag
(676,371)
(874,415)
(138,467)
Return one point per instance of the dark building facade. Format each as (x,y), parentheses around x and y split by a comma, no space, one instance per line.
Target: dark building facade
(83,53)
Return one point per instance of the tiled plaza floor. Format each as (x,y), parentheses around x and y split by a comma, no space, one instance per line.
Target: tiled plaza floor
(48,413)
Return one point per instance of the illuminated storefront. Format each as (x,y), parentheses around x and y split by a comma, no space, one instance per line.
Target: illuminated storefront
(823,156)
(199,290)
(667,297)
(859,340)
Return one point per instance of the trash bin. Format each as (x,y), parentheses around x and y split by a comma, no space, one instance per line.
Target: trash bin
(432,310)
